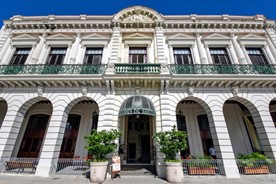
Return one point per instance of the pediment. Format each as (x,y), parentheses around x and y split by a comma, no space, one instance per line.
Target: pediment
(25,37)
(95,36)
(251,37)
(59,37)
(137,36)
(180,36)
(216,36)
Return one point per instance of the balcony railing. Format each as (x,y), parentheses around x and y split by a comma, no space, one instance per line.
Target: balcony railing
(222,69)
(51,69)
(129,68)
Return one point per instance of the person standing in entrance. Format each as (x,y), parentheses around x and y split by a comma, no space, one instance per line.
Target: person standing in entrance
(212,152)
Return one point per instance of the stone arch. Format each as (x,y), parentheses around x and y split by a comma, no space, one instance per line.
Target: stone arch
(250,115)
(137,14)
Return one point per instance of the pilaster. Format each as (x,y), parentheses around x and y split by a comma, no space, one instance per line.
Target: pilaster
(115,45)
(201,50)
(38,49)
(160,45)
(238,50)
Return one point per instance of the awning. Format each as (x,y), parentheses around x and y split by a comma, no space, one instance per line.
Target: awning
(137,105)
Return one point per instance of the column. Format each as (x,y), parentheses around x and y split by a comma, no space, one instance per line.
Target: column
(44,52)
(66,57)
(28,60)
(233,54)
(237,48)
(115,45)
(53,140)
(38,49)
(74,50)
(210,61)
(5,49)
(160,44)
(106,117)
(248,60)
(126,53)
(8,55)
(171,54)
(269,55)
(271,48)
(195,54)
(105,54)
(221,138)
(201,50)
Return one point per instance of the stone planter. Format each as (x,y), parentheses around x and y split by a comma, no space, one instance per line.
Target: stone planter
(98,171)
(174,172)
(202,170)
(255,170)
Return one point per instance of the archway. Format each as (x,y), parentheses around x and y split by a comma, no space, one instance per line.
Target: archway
(137,118)
(241,124)
(33,128)
(3,110)
(82,118)
(192,118)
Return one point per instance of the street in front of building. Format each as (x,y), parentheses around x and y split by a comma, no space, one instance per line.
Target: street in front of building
(26,179)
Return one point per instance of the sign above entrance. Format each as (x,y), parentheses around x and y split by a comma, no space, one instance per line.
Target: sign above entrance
(137,105)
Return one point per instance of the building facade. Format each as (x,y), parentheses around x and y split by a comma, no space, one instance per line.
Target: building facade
(139,72)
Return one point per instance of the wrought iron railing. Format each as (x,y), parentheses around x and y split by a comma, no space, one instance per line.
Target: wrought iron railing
(129,68)
(252,166)
(52,69)
(203,167)
(71,166)
(222,69)
(20,165)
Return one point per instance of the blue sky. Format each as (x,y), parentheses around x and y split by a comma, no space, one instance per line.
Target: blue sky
(110,7)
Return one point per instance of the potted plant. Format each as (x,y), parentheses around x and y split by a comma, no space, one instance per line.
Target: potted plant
(201,165)
(171,143)
(100,144)
(253,163)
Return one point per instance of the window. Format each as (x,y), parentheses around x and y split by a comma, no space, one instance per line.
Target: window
(93,56)
(205,133)
(56,56)
(137,55)
(256,56)
(219,56)
(20,56)
(182,56)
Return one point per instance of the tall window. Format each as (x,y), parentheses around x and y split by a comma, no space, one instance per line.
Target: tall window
(205,133)
(33,136)
(93,56)
(56,56)
(70,136)
(20,56)
(138,55)
(182,56)
(256,56)
(219,56)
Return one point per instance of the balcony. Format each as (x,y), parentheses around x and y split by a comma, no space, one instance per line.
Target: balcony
(223,69)
(51,69)
(129,68)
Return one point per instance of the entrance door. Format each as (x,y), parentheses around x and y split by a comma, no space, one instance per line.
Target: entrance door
(138,139)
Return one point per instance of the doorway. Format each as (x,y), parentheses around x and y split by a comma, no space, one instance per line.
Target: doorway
(138,139)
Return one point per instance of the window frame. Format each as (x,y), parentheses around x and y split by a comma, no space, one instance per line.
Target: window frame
(139,56)
(219,56)
(188,57)
(254,57)
(20,58)
(51,55)
(93,55)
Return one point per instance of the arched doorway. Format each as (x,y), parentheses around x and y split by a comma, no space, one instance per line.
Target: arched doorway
(241,126)
(272,110)
(33,129)
(3,110)
(137,118)
(192,118)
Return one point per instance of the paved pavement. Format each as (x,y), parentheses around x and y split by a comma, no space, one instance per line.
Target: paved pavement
(30,179)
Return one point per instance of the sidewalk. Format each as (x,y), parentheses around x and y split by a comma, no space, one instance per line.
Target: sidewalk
(30,179)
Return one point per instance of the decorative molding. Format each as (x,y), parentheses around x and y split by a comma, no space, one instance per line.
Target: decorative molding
(190,91)
(84,90)
(235,91)
(40,90)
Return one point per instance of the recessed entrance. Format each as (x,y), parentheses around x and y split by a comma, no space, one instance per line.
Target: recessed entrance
(138,139)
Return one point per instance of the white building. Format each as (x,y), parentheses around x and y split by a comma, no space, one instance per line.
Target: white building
(140,72)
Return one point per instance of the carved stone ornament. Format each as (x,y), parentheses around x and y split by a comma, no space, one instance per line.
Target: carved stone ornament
(235,91)
(137,17)
(40,90)
(190,91)
(84,90)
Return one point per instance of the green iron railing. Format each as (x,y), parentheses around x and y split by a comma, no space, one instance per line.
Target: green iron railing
(129,68)
(51,69)
(222,69)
